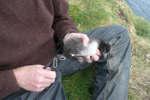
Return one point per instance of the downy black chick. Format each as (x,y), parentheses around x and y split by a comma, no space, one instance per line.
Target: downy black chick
(74,48)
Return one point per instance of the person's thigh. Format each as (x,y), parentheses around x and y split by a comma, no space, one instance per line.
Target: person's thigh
(118,66)
(117,69)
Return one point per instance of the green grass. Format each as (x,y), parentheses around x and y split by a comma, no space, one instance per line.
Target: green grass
(142,28)
(79,85)
(90,14)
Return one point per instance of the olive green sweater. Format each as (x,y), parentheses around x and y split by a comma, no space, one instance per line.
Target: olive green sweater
(27,31)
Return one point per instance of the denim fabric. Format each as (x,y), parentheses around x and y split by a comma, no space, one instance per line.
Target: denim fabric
(111,76)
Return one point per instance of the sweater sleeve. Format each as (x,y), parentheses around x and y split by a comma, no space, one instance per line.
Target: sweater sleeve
(8,83)
(63,23)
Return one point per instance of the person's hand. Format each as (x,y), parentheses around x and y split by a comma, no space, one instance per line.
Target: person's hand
(85,40)
(34,77)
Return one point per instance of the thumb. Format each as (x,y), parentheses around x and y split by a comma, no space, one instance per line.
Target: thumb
(84,38)
(48,69)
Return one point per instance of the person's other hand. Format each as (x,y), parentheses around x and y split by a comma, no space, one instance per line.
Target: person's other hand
(34,77)
(85,40)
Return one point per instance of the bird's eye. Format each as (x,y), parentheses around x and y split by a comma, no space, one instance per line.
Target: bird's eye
(105,50)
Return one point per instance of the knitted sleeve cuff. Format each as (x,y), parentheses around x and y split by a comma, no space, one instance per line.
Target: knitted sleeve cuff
(8,83)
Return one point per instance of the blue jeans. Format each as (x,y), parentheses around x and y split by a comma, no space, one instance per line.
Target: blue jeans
(111,76)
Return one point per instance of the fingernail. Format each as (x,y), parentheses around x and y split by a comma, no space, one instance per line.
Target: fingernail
(90,61)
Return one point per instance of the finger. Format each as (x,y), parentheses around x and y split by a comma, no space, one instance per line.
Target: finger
(43,83)
(88,59)
(95,57)
(40,86)
(40,89)
(46,85)
(48,69)
(98,52)
(84,38)
(35,89)
(49,81)
(49,74)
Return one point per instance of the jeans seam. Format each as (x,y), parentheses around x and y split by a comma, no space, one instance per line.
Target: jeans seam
(106,90)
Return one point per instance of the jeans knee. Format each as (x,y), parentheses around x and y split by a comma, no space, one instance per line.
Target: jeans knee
(123,32)
(120,27)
